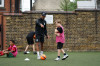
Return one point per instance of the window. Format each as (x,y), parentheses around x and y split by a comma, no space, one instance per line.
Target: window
(98,4)
(1,3)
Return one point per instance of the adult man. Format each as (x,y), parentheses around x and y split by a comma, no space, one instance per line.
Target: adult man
(40,30)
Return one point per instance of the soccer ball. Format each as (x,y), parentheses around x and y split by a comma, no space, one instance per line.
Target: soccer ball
(43,57)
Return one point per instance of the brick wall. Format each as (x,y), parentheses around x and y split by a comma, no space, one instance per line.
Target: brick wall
(81,30)
(5,9)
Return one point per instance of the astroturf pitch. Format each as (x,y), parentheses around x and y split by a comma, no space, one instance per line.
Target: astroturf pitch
(74,59)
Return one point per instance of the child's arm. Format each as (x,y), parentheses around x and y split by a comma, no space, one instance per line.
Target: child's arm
(5,50)
(56,32)
(13,50)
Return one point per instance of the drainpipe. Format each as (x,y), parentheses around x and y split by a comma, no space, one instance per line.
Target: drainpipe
(96,20)
(31,5)
(31,14)
(2,32)
(10,6)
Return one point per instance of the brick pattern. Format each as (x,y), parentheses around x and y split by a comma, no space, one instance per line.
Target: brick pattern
(80,30)
(81,33)
(7,6)
(6,9)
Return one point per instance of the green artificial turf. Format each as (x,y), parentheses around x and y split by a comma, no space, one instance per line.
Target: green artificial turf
(74,59)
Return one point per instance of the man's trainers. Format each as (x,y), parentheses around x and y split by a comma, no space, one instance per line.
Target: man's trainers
(38,57)
(41,53)
(57,59)
(65,56)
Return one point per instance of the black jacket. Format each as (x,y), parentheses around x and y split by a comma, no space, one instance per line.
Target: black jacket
(38,29)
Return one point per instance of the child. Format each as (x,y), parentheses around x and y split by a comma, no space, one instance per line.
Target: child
(11,51)
(60,39)
(30,41)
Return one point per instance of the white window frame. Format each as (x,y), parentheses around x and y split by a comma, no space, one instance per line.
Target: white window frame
(2,3)
(24,7)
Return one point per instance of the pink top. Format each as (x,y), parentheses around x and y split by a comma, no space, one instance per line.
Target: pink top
(61,38)
(15,52)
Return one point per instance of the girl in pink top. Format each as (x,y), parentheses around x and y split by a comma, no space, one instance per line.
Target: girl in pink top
(60,39)
(11,51)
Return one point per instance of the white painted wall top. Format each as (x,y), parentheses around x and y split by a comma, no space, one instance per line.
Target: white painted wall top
(87,4)
(25,5)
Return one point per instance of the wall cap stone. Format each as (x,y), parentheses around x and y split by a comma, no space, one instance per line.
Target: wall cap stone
(87,10)
(50,12)
(12,14)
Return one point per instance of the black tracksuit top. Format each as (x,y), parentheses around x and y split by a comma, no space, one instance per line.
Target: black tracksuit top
(38,29)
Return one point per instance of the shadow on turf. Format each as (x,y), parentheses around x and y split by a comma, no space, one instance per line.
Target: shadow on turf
(6,57)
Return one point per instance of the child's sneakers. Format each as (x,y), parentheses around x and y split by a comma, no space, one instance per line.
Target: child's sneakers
(57,59)
(1,54)
(65,56)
